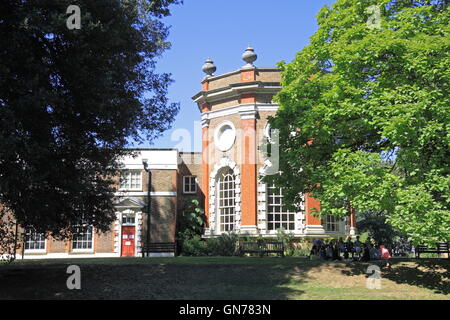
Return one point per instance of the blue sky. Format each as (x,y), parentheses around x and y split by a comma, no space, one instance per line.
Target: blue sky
(221,30)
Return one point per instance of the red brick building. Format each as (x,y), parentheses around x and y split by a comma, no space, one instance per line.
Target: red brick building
(234,109)
(225,177)
(175,177)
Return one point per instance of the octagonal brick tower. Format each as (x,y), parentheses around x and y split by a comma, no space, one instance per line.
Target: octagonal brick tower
(235,107)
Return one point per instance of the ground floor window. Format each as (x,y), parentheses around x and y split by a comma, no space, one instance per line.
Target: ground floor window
(278,217)
(331,223)
(82,237)
(34,240)
(226,200)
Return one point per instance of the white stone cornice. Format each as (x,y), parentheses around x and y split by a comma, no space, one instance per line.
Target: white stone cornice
(227,74)
(235,91)
(205,121)
(240,108)
(248,114)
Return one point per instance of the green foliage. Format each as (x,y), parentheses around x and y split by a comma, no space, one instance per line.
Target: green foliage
(376,227)
(364,236)
(192,220)
(302,249)
(376,104)
(287,238)
(194,246)
(190,228)
(224,245)
(72,100)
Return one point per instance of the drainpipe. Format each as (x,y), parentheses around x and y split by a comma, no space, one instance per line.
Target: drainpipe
(149,203)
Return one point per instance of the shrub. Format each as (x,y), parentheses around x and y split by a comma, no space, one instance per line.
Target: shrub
(194,246)
(288,241)
(302,249)
(224,245)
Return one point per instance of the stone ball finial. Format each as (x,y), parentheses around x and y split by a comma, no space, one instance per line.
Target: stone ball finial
(209,68)
(249,56)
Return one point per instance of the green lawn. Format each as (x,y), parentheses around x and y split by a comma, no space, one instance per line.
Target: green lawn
(222,278)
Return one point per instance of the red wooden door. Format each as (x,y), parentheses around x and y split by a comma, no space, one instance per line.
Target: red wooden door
(128,243)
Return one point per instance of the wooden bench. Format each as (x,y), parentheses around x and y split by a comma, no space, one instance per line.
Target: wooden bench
(262,247)
(440,248)
(159,247)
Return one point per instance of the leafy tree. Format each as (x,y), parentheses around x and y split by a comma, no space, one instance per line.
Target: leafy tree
(364,114)
(8,238)
(375,224)
(71,99)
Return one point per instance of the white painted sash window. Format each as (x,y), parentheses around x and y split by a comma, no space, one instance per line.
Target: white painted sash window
(278,217)
(131,180)
(190,184)
(82,238)
(331,223)
(226,201)
(34,241)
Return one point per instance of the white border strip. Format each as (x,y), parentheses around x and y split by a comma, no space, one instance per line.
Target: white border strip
(239,108)
(144,193)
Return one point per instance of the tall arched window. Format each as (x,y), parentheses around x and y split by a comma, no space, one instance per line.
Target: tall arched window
(277,215)
(226,199)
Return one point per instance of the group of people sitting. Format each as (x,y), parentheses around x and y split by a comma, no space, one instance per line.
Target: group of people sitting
(336,250)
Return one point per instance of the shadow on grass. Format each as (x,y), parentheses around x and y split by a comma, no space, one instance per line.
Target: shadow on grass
(431,274)
(265,279)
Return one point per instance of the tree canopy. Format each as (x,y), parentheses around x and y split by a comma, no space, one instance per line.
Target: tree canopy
(364,114)
(70,100)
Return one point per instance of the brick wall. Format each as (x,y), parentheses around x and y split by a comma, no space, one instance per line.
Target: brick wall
(163,220)
(190,165)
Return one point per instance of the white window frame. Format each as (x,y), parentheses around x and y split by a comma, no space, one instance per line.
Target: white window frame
(230,205)
(331,220)
(126,215)
(91,249)
(124,174)
(190,184)
(271,203)
(29,230)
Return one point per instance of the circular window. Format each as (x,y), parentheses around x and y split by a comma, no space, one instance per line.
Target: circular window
(224,136)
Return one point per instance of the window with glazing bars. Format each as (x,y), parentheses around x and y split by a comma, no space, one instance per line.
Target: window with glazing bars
(131,180)
(226,201)
(82,237)
(277,216)
(34,240)
(331,223)
(189,184)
